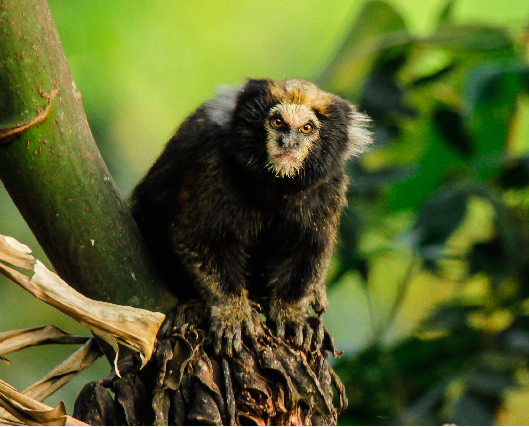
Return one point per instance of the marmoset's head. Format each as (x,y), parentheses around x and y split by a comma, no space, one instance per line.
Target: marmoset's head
(289,129)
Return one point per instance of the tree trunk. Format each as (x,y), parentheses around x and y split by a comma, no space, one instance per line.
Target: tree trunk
(54,173)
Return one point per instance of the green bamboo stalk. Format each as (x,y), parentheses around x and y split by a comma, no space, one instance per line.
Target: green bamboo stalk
(54,173)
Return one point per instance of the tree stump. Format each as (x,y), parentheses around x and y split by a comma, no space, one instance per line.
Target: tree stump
(268,383)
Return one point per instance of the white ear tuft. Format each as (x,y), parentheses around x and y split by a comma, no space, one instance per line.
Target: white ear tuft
(220,109)
(358,132)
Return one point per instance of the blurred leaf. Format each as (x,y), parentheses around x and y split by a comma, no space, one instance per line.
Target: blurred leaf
(485,84)
(490,94)
(514,408)
(489,383)
(381,97)
(367,183)
(350,259)
(515,174)
(438,218)
(450,318)
(516,336)
(427,64)
(450,125)
(518,341)
(423,410)
(448,130)
(473,37)
(380,381)
(488,257)
(445,17)
(433,75)
(378,25)
(471,411)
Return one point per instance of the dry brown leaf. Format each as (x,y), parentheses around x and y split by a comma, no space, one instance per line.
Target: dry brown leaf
(63,373)
(6,419)
(133,327)
(22,338)
(31,412)
(16,253)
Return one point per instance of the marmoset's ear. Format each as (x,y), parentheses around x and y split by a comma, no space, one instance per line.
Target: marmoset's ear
(358,131)
(221,108)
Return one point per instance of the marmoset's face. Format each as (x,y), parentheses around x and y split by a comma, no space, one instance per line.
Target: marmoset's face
(292,130)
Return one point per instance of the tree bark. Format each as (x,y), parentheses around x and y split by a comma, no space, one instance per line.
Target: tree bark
(54,173)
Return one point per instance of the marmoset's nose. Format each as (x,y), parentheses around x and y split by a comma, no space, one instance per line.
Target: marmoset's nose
(290,140)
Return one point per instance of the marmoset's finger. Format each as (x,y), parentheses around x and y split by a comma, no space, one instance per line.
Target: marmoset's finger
(308,334)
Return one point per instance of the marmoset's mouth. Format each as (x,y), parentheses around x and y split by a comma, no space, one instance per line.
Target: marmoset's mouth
(286,158)
(285,163)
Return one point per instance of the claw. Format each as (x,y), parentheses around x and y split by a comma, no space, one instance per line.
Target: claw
(237,342)
(281,329)
(227,323)
(320,335)
(228,344)
(298,340)
(217,341)
(308,333)
(249,330)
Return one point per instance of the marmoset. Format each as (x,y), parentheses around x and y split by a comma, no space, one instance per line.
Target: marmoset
(244,203)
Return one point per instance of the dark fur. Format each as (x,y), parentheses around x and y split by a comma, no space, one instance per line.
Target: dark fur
(221,224)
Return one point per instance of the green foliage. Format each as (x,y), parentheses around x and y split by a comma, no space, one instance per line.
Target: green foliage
(449,166)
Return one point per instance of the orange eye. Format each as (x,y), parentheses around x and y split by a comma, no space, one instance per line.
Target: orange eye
(278,122)
(307,128)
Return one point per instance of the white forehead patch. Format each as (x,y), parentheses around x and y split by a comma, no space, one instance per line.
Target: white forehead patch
(295,115)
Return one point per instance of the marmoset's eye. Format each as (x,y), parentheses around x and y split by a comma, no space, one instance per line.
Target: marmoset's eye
(278,122)
(307,128)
